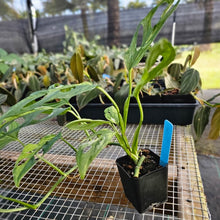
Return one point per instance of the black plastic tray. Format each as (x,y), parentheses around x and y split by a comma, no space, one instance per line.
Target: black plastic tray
(178,110)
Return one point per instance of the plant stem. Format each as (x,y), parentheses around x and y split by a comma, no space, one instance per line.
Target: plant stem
(121,122)
(51,165)
(69,144)
(29,206)
(127,102)
(138,166)
(137,131)
(202,101)
(121,138)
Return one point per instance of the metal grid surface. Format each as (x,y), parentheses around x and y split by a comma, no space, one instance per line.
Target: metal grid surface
(100,195)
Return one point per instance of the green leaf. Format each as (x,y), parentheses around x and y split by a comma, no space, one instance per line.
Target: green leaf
(118,80)
(53,74)
(20,170)
(3,68)
(190,81)
(92,73)
(29,104)
(162,48)
(90,149)
(121,95)
(201,119)
(175,70)
(3,98)
(10,98)
(134,54)
(111,114)
(85,124)
(3,53)
(5,139)
(26,159)
(84,98)
(34,83)
(214,132)
(76,66)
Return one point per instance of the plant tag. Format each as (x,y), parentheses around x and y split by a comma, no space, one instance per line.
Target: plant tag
(166,142)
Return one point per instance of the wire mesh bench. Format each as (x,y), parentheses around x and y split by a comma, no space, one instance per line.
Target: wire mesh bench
(100,195)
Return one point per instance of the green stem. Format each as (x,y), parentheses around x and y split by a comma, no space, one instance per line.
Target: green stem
(69,144)
(202,101)
(127,102)
(74,111)
(137,131)
(121,122)
(121,138)
(51,165)
(29,206)
(138,166)
(56,184)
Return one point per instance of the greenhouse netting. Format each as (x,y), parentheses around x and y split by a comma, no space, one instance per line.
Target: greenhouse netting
(30,26)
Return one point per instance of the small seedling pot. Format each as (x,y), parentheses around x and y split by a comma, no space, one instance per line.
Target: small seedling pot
(146,191)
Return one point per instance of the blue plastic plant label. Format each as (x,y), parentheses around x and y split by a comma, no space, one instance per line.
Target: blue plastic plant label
(166,143)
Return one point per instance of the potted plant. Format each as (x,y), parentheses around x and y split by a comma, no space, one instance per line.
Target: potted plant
(52,100)
(184,83)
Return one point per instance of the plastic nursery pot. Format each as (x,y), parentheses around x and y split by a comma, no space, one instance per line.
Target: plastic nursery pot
(148,190)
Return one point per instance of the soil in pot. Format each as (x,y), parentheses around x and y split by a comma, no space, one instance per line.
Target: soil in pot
(150,188)
(150,164)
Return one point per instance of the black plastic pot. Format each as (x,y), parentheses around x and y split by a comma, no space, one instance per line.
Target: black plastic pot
(147,191)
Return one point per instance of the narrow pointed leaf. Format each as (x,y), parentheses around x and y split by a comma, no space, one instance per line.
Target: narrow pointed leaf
(134,54)
(195,55)
(92,73)
(76,67)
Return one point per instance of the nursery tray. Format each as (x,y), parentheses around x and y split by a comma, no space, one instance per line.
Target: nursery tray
(178,109)
(100,194)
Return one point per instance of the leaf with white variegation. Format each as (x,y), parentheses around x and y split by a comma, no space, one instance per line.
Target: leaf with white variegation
(111,114)
(26,159)
(85,124)
(190,81)
(90,148)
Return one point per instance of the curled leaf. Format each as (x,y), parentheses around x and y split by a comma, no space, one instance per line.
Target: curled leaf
(195,55)
(215,125)
(76,65)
